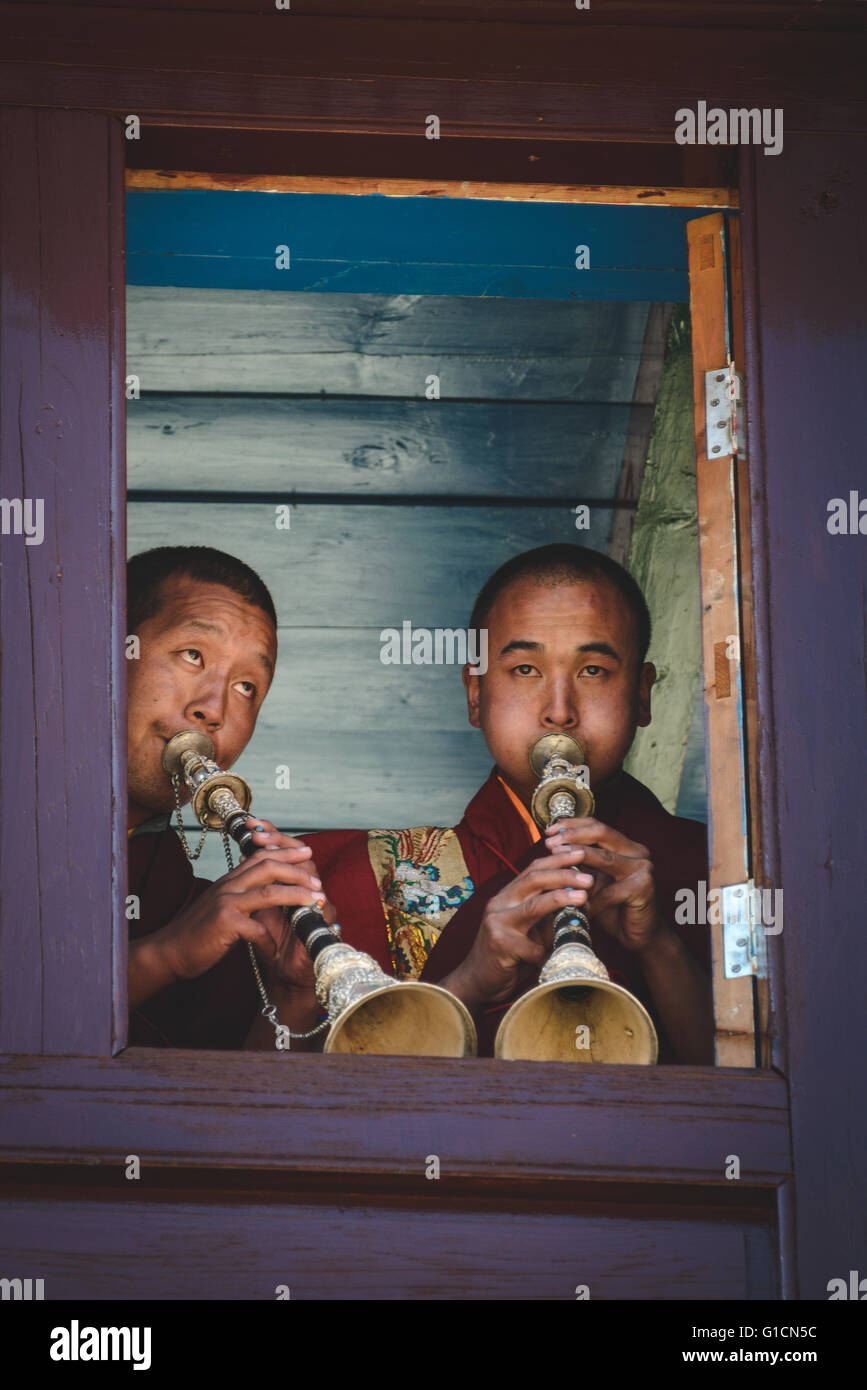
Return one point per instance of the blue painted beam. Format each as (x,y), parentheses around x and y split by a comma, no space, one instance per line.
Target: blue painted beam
(212,239)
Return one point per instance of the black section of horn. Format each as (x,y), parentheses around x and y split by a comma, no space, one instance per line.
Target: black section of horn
(236,826)
(307,921)
(571,928)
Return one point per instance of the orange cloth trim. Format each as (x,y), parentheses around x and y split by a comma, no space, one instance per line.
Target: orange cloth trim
(533,829)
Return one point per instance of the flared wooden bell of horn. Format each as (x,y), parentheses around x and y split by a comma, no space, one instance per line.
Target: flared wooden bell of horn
(575,1013)
(376,1015)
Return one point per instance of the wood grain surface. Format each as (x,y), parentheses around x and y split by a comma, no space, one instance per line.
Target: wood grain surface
(352,1248)
(63,683)
(290,70)
(237,341)
(720,618)
(379,447)
(636,195)
(805,342)
(486,1119)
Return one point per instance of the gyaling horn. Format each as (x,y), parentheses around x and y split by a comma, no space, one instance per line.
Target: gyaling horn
(575,1013)
(369,1011)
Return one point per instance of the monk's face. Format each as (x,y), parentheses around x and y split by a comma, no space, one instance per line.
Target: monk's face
(207,659)
(562,657)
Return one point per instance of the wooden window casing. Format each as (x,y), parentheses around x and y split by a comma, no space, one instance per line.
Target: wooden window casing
(70,1105)
(311,1118)
(723,533)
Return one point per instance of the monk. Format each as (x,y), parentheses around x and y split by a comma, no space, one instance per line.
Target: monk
(471,908)
(207,634)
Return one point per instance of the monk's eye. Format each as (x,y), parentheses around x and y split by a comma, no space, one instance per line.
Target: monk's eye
(594,670)
(194,653)
(247,689)
(524,669)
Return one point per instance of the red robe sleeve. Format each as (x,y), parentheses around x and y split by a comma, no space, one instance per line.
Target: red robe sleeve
(217,1009)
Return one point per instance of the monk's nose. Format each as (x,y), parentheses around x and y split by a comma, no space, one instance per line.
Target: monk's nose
(560,707)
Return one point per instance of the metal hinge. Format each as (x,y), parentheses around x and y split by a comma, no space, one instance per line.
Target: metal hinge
(743,933)
(723,420)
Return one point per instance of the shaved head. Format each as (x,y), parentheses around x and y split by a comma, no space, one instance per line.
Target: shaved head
(552,565)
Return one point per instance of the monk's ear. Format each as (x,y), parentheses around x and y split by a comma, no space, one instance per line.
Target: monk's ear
(646,677)
(473,687)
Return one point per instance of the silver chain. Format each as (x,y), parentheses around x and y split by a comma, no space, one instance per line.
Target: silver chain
(283,1036)
(191,854)
(269,1010)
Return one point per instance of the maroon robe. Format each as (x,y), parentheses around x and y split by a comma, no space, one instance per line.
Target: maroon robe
(349,883)
(491,824)
(495,844)
(217,1009)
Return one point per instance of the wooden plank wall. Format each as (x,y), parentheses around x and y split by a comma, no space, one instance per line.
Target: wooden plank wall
(400,505)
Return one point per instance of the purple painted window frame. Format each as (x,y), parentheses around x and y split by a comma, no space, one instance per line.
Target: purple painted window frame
(62,943)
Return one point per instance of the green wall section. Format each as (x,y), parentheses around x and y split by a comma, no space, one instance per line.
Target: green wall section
(663,557)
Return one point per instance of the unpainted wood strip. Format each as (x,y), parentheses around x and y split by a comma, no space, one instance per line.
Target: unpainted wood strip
(722,687)
(747,653)
(430,188)
(717,521)
(582,162)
